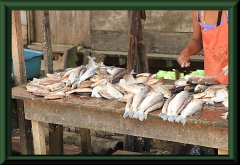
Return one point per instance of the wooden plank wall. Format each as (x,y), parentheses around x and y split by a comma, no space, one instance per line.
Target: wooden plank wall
(166,31)
(67,27)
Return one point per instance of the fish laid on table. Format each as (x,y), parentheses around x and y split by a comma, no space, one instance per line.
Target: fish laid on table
(151,98)
(138,97)
(128,109)
(154,107)
(55,95)
(224,116)
(114,92)
(164,90)
(192,79)
(165,106)
(208,80)
(179,100)
(193,107)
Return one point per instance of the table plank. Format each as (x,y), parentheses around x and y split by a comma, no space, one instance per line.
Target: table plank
(205,129)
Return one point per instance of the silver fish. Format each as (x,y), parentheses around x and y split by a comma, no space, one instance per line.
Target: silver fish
(151,98)
(165,106)
(113,91)
(193,107)
(154,107)
(178,101)
(88,74)
(138,97)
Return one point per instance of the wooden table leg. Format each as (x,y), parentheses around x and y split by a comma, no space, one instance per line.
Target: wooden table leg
(38,138)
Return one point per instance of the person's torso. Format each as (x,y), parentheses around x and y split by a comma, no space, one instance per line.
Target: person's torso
(208,26)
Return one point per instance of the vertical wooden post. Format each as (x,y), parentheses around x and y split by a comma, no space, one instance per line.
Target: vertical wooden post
(86,141)
(20,77)
(137,60)
(56,131)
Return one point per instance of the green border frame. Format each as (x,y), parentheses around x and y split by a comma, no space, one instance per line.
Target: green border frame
(5,81)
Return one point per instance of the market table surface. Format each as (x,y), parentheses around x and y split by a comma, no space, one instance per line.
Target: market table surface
(206,128)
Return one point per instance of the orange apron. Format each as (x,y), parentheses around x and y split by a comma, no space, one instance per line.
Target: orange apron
(215,46)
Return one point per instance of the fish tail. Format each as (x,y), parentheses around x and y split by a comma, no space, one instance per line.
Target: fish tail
(161,115)
(136,115)
(141,116)
(126,113)
(165,117)
(132,72)
(171,118)
(178,119)
(145,116)
(183,120)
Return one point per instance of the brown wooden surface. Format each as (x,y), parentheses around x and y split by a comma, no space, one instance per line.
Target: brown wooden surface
(86,141)
(205,129)
(67,27)
(38,138)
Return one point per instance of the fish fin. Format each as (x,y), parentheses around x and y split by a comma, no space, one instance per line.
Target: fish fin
(165,117)
(136,115)
(141,117)
(145,116)
(178,119)
(126,113)
(183,120)
(161,115)
(132,72)
(171,118)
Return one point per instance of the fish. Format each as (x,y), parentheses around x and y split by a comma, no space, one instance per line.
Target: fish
(224,116)
(55,86)
(125,97)
(181,82)
(129,79)
(105,94)
(87,74)
(115,71)
(210,92)
(199,95)
(165,106)
(153,108)
(193,107)
(138,97)
(225,102)
(141,79)
(192,79)
(97,83)
(128,109)
(178,101)
(95,91)
(200,88)
(151,98)
(208,80)
(190,88)
(164,90)
(144,74)
(55,95)
(113,91)
(91,62)
(220,95)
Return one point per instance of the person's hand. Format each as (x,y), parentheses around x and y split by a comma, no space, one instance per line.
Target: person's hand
(183,60)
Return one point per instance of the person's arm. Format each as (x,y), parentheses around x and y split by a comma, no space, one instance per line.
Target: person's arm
(195,44)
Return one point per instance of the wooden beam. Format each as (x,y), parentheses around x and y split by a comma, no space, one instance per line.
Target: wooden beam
(39,138)
(86,141)
(55,131)
(20,78)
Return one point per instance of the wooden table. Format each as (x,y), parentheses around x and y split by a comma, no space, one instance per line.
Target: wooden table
(204,129)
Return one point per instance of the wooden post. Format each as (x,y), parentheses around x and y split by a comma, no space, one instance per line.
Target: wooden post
(55,131)
(86,141)
(137,60)
(20,77)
